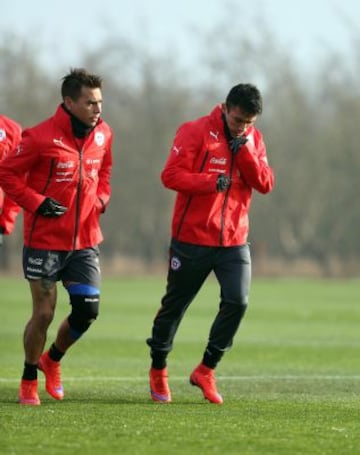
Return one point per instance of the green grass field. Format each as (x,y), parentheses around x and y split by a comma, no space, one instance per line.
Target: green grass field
(291,382)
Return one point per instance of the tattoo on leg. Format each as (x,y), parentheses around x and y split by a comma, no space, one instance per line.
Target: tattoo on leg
(47,286)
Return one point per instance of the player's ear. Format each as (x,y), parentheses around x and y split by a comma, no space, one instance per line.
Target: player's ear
(68,102)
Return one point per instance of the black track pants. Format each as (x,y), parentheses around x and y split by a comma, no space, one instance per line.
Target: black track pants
(189,266)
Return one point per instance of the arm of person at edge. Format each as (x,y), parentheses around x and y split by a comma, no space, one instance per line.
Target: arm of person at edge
(104,188)
(8,215)
(178,173)
(253,166)
(9,209)
(13,173)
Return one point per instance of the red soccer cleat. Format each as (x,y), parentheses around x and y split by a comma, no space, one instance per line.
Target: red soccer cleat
(28,393)
(159,387)
(204,378)
(51,370)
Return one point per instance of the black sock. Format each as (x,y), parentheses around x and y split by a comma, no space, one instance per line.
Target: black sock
(158,359)
(212,357)
(55,354)
(30,371)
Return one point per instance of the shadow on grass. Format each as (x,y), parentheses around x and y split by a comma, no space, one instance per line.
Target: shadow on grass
(8,397)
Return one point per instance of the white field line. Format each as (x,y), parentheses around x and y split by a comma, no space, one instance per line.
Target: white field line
(286,377)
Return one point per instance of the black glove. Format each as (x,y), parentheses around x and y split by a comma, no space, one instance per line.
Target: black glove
(222,183)
(236,143)
(2,230)
(51,208)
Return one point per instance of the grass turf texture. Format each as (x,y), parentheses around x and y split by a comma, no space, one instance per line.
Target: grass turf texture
(291,382)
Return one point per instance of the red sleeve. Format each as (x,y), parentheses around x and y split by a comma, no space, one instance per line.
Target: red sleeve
(8,208)
(182,171)
(13,171)
(12,136)
(8,215)
(104,188)
(17,136)
(254,168)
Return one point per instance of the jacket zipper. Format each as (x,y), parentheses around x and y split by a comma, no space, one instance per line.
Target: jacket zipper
(52,163)
(190,197)
(221,240)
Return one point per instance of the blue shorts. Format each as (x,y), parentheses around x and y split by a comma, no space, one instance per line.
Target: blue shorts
(79,266)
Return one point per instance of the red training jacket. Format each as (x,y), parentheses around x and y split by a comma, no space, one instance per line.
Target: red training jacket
(10,136)
(200,152)
(49,163)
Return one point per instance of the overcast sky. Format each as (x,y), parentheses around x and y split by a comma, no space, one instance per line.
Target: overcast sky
(309,28)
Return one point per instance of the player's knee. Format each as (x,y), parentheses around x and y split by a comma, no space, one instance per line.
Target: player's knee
(243,302)
(240,308)
(85,310)
(237,307)
(85,302)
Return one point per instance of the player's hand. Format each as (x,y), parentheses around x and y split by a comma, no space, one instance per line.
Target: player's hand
(236,143)
(51,208)
(222,182)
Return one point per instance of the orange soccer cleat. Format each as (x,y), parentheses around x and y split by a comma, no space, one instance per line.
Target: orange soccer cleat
(204,378)
(51,370)
(28,393)
(159,387)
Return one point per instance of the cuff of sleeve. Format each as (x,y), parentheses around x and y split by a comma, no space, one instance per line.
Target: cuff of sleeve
(103,206)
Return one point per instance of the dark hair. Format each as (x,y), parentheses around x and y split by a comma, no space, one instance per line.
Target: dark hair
(247,97)
(75,80)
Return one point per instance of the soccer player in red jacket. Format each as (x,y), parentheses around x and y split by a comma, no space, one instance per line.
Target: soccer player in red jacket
(214,165)
(60,176)
(10,136)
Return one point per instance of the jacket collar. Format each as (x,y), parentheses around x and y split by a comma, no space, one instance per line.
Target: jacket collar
(64,119)
(218,121)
